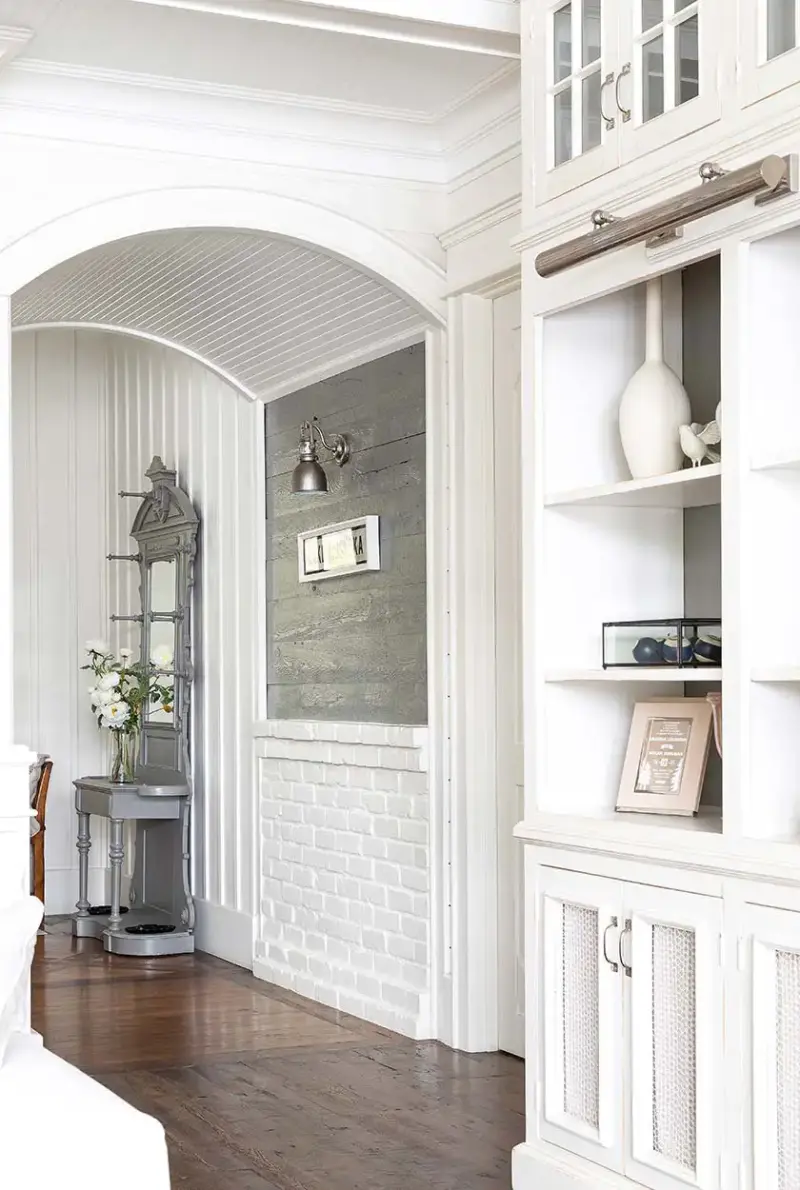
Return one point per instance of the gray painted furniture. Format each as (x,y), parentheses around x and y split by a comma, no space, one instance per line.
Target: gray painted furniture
(159,803)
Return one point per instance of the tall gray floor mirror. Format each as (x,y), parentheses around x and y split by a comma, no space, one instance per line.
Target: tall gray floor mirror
(158,918)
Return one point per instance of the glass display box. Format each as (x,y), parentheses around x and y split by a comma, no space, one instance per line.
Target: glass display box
(682,641)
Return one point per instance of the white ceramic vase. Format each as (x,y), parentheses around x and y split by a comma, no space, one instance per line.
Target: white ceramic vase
(654,404)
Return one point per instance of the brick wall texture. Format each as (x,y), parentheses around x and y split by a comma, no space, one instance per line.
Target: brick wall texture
(345,862)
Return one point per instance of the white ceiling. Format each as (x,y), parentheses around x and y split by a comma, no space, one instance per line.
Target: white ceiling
(423,81)
(268,314)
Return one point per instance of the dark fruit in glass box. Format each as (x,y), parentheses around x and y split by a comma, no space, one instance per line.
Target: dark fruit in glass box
(647,651)
(669,650)
(708,650)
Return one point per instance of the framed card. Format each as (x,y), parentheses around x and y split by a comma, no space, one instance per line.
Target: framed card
(665,763)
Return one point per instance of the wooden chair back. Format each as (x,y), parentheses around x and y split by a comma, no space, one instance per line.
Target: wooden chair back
(39,807)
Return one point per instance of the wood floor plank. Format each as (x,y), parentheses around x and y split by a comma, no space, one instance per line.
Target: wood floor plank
(259,1089)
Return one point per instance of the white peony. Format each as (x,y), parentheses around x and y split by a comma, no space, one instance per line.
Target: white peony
(162,657)
(98,646)
(109,681)
(126,654)
(115,714)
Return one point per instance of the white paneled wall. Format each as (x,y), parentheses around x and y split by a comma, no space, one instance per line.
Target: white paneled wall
(90,410)
(160,402)
(60,577)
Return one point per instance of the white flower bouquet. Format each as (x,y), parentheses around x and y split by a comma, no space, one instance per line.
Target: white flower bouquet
(123,690)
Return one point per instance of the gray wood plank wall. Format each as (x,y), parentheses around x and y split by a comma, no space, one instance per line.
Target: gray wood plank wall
(351,648)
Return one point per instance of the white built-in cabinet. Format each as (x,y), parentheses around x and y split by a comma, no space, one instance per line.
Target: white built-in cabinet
(616,79)
(769,58)
(631,1012)
(770,966)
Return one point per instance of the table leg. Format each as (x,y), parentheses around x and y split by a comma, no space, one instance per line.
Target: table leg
(116,854)
(84,845)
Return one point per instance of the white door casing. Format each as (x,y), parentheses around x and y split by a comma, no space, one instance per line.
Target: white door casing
(509,734)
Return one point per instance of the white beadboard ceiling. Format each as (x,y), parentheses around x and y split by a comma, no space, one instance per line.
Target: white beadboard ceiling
(270,315)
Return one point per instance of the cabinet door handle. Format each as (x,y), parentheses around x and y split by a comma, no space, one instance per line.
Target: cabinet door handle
(609,120)
(626,967)
(612,925)
(626,111)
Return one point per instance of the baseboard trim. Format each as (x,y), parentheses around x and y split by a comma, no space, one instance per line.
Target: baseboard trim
(61,889)
(226,933)
(532,1168)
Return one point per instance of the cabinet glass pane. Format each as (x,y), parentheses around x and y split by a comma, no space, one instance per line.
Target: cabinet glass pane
(781,18)
(687,64)
(787,1075)
(581,1019)
(592,131)
(674,1045)
(653,78)
(562,43)
(592,12)
(562,115)
(652,13)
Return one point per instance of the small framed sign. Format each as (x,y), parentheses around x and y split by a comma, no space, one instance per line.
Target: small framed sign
(665,763)
(348,547)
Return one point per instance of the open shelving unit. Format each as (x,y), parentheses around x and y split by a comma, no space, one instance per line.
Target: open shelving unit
(611,548)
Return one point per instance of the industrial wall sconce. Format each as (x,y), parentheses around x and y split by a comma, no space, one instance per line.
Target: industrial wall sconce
(309,475)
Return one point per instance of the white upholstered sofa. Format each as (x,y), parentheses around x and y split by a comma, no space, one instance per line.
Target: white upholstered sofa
(58,1127)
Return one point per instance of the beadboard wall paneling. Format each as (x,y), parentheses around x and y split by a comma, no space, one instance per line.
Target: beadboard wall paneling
(60,577)
(266,312)
(160,402)
(352,648)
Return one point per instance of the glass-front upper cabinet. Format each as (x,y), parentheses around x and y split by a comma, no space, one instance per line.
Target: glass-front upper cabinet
(769,47)
(615,79)
(670,85)
(575,120)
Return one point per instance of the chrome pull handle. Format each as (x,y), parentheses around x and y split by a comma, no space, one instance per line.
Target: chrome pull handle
(612,925)
(626,967)
(609,121)
(626,111)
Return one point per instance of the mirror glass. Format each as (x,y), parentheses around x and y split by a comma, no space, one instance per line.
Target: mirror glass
(162,655)
(162,585)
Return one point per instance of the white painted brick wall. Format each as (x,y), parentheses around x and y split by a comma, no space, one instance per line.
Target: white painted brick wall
(345,868)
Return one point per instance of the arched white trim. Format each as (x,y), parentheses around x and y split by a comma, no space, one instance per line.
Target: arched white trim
(113,329)
(42,248)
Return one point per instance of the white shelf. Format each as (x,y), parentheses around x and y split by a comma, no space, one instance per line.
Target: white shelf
(693,488)
(777,463)
(636,674)
(776,673)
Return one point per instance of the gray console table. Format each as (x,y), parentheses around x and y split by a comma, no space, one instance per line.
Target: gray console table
(158,802)
(159,891)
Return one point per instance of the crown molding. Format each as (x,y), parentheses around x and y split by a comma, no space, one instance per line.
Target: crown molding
(501,212)
(13,39)
(493,30)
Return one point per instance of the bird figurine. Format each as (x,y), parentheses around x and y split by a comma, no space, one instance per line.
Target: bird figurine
(697,440)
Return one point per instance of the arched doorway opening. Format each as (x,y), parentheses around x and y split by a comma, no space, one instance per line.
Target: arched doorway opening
(266,314)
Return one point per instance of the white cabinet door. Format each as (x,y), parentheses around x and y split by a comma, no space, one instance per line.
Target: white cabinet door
(580,1014)
(575,115)
(670,75)
(674,1086)
(772,1042)
(769,47)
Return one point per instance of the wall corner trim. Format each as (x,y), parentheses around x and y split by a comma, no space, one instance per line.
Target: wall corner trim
(226,933)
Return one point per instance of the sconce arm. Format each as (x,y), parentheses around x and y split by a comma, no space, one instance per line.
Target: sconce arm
(338,447)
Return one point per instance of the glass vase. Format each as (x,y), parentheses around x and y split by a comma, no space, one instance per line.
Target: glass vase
(124,756)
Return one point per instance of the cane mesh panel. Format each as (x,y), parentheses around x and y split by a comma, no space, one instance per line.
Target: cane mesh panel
(580,1025)
(674,1045)
(787,1025)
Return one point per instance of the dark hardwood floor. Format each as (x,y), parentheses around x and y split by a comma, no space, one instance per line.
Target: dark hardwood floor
(259,1089)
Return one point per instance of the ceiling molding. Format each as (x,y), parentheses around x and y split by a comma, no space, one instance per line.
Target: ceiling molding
(12,41)
(498,39)
(501,212)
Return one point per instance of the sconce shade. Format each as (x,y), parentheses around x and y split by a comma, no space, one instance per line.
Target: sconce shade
(309,478)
